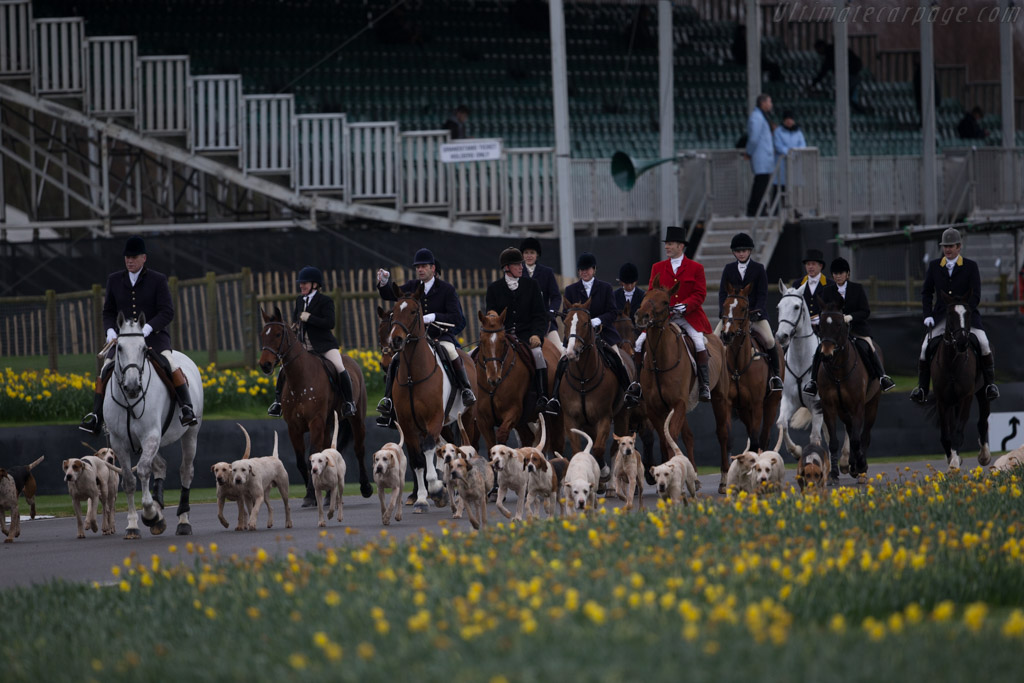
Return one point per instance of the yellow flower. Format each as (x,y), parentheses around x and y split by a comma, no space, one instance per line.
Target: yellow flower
(974,616)
(332,598)
(1014,625)
(365,650)
(297,661)
(943,611)
(594,612)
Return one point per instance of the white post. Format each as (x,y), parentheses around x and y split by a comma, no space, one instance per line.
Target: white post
(559,81)
(666,116)
(842,81)
(928,175)
(753,53)
(1006,97)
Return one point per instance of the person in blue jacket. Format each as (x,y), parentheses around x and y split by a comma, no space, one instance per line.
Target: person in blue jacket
(787,136)
(759,150)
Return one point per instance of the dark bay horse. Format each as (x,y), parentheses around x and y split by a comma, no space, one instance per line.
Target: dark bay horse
(748,371)
(847,391)
(957,377)
(504,379)
(421,392)
(308,400)
(669,381)
(638,423)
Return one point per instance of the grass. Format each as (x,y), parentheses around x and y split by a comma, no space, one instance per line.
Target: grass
(917,580)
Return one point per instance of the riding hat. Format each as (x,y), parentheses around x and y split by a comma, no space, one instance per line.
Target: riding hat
(840,265)
(950,237)
(310,274)
(510,257)
(586,260)
(674,233)
(741,240)
(134,246)
(530,243)
(815,255)
(423,257)
(628,273)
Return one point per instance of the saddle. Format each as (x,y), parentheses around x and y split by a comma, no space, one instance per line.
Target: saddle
(933,345)
(332,372)
(865,356)
(160,367)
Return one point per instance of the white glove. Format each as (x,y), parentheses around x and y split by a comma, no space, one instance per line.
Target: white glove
(111,334)
(680,309)
(848,318)
(304,316)
(929,322)
(596,322)
(146,330)
(429,318)
(382,277)
(814,319)
(640,342)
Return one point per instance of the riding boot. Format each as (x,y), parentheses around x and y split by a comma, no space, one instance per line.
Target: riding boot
(462,379)
(924,378)
(275,408)
(188,416)
(703,374)
(540,378)
(883,379)
(554,407)
(812,385)
(988,372)
(348,406)
(93,422)
(386,408)
(774,382)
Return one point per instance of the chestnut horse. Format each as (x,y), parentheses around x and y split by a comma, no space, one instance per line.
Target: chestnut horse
(503,379)
(638,422)
(957,377)
(420,393)
(748,371)
(847,391)
(590,393)
(669,380)
(308,400)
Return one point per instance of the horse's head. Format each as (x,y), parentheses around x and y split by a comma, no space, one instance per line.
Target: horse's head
(406,319)
(275,340)
(131,354)
(493,346)
(624,325)
(735,313)
(383,327)
(578,329)
(958,321)
(833,328)
(793,314)
(656,308)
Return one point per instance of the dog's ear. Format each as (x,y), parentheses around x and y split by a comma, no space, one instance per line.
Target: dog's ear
(64,465)
(651,470)
(213,468)
(251,471)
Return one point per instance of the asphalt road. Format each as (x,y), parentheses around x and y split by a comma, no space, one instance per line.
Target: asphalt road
(48,548)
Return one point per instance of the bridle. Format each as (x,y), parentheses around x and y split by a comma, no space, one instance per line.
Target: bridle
(121,369)
(959,338)
(739,322)
(417,315)
(584,345)
(830,361)
(795,323)
(498,360)
(280,355)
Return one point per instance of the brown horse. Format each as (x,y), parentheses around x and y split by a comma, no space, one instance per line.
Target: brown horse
(669,381)
(638,422)
(590,393)
(421,393)
(748,371)
(308,400)
(847,391)
(503,378)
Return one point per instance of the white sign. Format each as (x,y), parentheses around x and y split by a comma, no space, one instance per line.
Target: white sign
(1005,431)
(470,150)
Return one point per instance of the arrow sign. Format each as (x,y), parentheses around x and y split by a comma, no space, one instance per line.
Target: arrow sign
(1005,430)
(1013,427)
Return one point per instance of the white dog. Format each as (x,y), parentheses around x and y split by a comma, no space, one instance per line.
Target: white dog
(770,469)
(581,478)
(88,479)
(676,477)
(740,476)
(227,491)
(544,481)
(328,470)
(510,467)
(255,477)
(389,465)
(1009,461)
(627,471)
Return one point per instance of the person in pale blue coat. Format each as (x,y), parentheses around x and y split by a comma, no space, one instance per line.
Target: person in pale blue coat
(760,150)
(787,136)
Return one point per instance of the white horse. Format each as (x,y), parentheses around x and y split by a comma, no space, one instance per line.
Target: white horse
(141,416)
(797,336)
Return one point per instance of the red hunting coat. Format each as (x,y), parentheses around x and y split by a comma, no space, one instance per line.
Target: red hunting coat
(693,288)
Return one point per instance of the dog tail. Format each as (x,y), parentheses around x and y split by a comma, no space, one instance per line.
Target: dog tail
(401,436)
(334,439)
(590,442)
(778,444)
(543,434)
(248,443)
(36,463)
(91,449)
(274,454)
(800,419)
(668,437)
(462,430)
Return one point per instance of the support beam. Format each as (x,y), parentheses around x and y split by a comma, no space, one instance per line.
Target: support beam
(1006,92)
(753,26)
(842,81)
(668,173)
(563,167)
(929,176)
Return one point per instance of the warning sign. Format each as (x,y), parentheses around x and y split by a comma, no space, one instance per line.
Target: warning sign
(1005,431)
(470,150)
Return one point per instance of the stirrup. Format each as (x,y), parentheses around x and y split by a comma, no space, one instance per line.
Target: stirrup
(385,406)
(775,383)
(918,395)
(90,423)
(991,392)
(468,398)
(386,422)
(275,409)
(348,409)
(705,394)
(554,407)
(887,383)
(542,403)
(811,387)
(188,416)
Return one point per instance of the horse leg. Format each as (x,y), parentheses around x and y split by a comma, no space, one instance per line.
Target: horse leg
(435,487)
(785,415)
(358,427)
(723,424)
(600,443)
(984,455)
(833,448)
(299,447)
(124,459)
(647,458)
(152,515)
(186,472)
(854,429)
(419,466)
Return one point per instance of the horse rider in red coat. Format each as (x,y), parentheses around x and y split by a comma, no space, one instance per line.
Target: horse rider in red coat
(687,303)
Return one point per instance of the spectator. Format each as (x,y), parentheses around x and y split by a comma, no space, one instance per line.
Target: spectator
(739,55)
(828,65)
(969,127)
(456,123)
(759,150)
(787,136)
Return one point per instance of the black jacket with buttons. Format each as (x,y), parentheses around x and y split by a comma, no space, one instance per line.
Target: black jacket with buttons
(634,303)
(855,305)
(526,314)
(550,293)
(150,295)
(965,280)
(757,300)
(812,299)
(319,327)
(442,300)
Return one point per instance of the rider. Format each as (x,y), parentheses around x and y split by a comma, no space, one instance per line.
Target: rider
(602,318)
(545,277)
(958,277)
(687,304)
(133,291)
(526,315)
(814,263)
(441,305)
(742,272)
(853,302)
(315,316)
(629,293)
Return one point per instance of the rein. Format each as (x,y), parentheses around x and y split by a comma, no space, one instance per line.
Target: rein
(405,355)
(282,356)
(598,373)
(503,373)
(743,333)
(799,376)
(657,324)
(129,405)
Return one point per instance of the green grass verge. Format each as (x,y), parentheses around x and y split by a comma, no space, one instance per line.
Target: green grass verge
(918,581)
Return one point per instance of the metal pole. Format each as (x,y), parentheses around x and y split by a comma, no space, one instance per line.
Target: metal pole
(668,173)
(928,173)
(563,167)
(842,80)
(753,53)
(1006,97)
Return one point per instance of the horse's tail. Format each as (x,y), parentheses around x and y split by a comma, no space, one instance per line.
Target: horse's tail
(590,442)
(668,437)
(543,433)
(800,419)
(401,436)
(334,439)
(248,443)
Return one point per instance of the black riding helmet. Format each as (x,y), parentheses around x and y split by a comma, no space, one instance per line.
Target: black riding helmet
(530,243)
(510,257)
(586,260)
(310,274)
(741,240)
